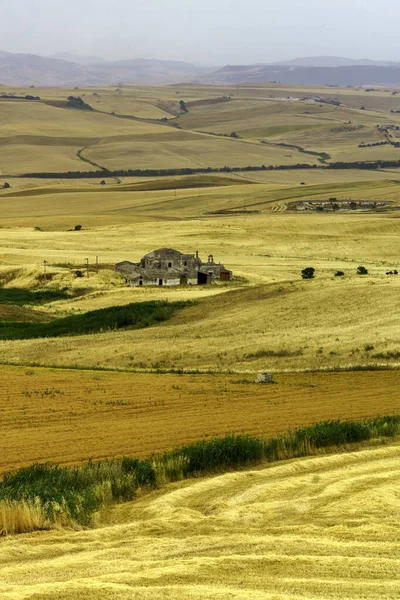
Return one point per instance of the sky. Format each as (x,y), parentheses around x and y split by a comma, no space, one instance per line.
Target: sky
(213,32)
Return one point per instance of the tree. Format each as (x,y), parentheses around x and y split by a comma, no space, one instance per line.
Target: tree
(339,274)
(183,106)
(234,134)
(308,273)
(102,182)
(6,186)
(77,227)
(362,271)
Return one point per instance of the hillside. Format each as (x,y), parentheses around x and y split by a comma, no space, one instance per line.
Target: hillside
(262,126)
(321,528)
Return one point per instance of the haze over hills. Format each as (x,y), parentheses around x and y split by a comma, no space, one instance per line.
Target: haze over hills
(80,60)
(335,61)
(31,69)
(70,70)
(357,75)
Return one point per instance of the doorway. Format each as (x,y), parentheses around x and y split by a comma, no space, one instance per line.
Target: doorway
(201,278)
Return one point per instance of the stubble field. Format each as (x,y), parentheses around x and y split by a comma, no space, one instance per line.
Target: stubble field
(69,416)
(316,528)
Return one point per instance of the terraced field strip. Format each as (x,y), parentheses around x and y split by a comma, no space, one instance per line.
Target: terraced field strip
(70,416)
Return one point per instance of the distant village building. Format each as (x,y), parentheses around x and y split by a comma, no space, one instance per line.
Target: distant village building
(170,267)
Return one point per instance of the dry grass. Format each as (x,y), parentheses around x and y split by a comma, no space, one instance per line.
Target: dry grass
(70,416)
(317,528)
(22,517)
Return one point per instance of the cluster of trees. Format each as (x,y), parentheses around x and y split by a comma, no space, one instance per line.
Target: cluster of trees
(183,106)
(77,102)
(13,97)
(309,272)
(371,144)
(370,165)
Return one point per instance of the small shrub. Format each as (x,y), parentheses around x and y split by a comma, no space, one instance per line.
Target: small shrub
(308,273)
(6,186)
(79,273)
(362,271)
(339,274)
(77,227)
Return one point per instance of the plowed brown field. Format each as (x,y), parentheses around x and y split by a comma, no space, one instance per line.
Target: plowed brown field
(69,416)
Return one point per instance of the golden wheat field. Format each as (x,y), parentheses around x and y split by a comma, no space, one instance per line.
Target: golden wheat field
(70,416)
(316,528)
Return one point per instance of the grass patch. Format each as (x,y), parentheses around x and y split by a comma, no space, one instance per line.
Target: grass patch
(273,354)
(256,132)
(391,354)
(133,316)
(60,495)
(21,297)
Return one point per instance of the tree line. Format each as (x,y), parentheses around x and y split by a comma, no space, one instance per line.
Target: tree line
(370,166)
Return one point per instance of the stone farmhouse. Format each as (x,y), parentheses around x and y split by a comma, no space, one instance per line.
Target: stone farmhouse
(170,267)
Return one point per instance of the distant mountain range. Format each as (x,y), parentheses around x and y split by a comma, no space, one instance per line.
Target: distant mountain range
(374,74)
(71,70)
(59,71)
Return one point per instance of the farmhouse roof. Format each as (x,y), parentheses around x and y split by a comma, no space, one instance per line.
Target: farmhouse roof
(163,252)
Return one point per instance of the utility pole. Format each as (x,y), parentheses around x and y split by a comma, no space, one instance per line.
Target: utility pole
(45,271)
(87,267)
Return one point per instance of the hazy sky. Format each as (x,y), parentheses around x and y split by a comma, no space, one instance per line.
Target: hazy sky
(207,31)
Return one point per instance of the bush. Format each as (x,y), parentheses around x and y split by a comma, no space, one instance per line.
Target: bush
(308,273)
(79,273)
(339,274)
(6,186)
(77,227)
(362,271)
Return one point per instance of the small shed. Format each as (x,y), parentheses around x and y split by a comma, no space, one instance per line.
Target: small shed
(264,378)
